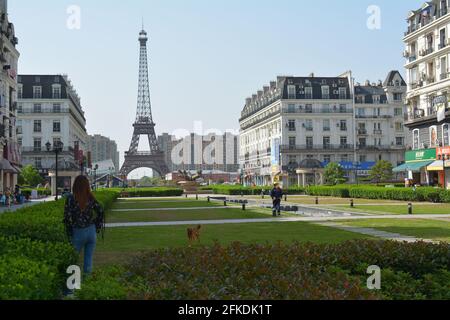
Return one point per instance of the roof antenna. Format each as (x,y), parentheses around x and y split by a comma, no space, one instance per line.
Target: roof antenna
(142,23)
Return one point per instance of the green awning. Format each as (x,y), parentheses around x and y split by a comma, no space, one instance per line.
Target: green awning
(402,168)
(413,166)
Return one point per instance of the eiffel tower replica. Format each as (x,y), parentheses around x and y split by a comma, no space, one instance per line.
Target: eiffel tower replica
(144,125)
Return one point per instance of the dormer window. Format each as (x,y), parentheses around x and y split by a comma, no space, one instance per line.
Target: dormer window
(19,91)
(56,90)
(37,92)
(292,94)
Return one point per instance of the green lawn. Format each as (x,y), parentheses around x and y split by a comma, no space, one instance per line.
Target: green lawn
(186,215)
(121,243)
(151,204)
(399,209)
(426,229)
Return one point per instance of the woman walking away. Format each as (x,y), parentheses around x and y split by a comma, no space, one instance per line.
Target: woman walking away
(84,218)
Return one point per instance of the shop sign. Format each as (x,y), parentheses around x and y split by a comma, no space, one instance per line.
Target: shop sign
(421,155)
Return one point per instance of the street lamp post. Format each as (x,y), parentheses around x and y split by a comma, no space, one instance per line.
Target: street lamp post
(443,166)
(95,177)
(57,149)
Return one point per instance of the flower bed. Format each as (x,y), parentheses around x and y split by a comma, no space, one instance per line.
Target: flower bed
(291,272)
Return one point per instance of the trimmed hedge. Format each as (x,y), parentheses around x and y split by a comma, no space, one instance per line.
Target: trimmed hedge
(42,192)
(152,192)
(381,193)
(255,191)
(278,272)
(35,251)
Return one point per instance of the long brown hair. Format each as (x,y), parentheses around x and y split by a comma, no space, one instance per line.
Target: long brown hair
(82,191)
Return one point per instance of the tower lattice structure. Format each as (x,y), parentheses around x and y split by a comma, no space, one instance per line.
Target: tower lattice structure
(144,125)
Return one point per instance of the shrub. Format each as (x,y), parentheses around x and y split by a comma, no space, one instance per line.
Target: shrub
(153,192)
(22,279)
(35,252)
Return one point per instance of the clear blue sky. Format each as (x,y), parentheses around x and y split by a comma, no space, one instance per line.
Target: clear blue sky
(206,56)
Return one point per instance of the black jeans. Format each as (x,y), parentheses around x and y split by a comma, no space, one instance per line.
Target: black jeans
(277,205)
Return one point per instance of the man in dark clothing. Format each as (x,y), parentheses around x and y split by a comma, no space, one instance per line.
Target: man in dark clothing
(276,194)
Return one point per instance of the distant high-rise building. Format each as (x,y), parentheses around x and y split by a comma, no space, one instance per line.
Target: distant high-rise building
(211,152)
(102,149)
(9,56)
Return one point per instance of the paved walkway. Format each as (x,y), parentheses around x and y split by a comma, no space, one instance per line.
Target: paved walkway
(171,209)
(14,208)
(280,220)
(374,233)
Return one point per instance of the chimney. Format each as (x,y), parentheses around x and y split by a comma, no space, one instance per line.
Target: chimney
(273,85)
(367,83)
(380,83)
(260,93)
(248,101)
(311,75)
(266,89)
(254,97)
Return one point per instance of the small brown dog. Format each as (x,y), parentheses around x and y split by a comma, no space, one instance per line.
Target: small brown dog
(194,234)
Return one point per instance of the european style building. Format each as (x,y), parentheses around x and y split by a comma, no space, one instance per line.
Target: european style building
(49,111)
(9,56)
(427,72)
(294,127)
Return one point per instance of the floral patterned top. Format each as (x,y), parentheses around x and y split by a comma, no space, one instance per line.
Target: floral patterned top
(75,218)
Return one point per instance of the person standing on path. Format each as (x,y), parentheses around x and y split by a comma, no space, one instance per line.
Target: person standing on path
(276,194)
(83,218)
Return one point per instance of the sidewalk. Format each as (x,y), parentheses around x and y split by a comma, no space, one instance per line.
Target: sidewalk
(14,208)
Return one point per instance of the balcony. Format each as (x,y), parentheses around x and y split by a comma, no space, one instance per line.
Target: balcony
(304,110)
(44,111)
(318,148)
(34,150)
(378,132)
(444,76)
(362,131)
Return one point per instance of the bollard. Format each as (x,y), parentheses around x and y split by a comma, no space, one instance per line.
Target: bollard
(196,197)
(317,200)
(243,207)
(262,195)
(242,194)
(352,203)
(186,195)
(225,203)
(209,199)
(285,197)
(410,208)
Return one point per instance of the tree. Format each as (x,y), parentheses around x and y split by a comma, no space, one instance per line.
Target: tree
(30,176)
(334,174)
(381,171)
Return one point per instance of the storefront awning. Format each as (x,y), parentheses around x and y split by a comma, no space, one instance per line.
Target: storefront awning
(402,168)
(413,166)
(438,166)
(6,166)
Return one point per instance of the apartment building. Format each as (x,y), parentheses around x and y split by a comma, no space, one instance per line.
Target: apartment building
(102,150)
(9,56)
(49,111)
(212,152)
(427,73)
(294,127)
(379,116)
